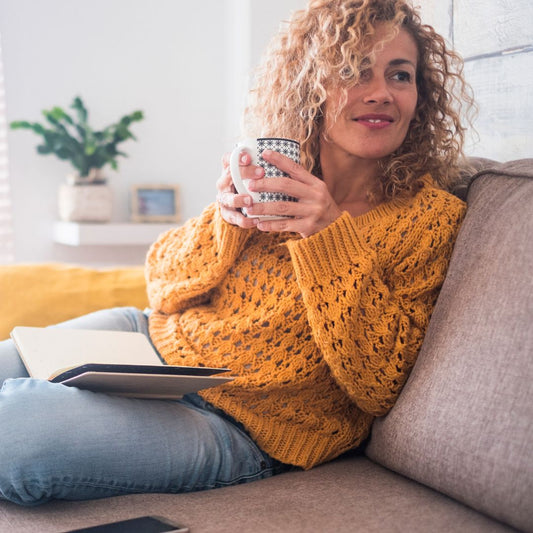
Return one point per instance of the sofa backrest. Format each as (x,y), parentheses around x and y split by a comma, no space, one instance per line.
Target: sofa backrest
(464,421)
(48,293)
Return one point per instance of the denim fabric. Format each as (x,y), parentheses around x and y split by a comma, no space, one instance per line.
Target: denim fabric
(66,443)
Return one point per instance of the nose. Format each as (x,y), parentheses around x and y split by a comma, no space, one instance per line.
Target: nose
(377,91)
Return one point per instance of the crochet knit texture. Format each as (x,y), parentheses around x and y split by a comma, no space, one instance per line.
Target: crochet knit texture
(321,333)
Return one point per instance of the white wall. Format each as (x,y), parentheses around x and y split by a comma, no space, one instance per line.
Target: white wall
(173,59)
(495,37)
(187,66)
(250,27)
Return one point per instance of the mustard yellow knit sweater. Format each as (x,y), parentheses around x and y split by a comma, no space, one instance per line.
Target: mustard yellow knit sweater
(321,332)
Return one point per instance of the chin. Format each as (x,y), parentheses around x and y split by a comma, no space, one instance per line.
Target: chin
(382,152)
(376,155)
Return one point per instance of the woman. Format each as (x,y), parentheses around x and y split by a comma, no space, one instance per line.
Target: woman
(320,315)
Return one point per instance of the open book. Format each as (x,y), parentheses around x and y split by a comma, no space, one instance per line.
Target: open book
(115,362)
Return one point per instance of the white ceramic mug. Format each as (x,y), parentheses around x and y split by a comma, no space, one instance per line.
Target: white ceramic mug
(255,148)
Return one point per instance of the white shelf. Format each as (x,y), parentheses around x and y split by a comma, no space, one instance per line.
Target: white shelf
(108,234)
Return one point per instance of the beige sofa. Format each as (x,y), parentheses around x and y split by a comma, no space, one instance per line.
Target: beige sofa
(456,452)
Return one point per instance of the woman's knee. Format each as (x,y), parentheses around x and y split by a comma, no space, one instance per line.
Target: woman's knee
(31,416)
(32,429)
(11,365)
(44,424)
(116,318)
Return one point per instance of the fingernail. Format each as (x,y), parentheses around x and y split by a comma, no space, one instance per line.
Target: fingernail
(244,159)
(248,201)
(267,152)
(258,172)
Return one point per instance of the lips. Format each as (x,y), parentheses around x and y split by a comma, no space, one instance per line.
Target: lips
(374,118)
(374,121)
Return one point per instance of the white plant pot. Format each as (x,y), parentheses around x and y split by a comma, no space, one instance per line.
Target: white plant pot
(85,203)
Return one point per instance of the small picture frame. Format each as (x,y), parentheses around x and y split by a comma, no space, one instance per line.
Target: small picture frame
(155,203)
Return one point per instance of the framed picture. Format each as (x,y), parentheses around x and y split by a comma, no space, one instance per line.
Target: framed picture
(155,203)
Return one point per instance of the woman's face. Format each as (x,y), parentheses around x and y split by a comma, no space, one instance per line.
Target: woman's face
(375,120)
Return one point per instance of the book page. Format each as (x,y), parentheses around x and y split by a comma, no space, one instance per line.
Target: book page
(45,351)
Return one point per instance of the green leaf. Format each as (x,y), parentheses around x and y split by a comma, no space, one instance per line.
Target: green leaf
(71,138)
(82,131)
(19,124)
(44,149)
(59,114)
(37,128)
(89,150)
(63,153)
(50,117)
(81,110)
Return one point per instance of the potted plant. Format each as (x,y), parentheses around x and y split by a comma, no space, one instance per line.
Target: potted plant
(86,196)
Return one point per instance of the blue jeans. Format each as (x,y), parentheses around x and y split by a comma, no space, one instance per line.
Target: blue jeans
(66,443)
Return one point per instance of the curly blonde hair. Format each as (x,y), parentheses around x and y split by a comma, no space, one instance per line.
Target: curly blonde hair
(327,46)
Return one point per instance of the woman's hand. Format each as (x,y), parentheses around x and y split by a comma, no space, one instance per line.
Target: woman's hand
(314,210)
(230,202)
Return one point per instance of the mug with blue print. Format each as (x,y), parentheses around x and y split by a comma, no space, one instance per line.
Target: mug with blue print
(255,148)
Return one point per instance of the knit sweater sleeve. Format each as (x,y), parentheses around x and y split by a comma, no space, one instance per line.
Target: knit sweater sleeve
(186,263)
(369,316)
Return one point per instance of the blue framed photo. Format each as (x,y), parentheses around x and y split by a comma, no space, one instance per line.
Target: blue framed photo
(155,203)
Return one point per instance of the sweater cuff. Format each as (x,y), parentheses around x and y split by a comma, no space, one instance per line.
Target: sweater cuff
(331,251)
(228,236)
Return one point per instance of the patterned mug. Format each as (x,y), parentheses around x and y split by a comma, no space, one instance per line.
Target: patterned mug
(255,148)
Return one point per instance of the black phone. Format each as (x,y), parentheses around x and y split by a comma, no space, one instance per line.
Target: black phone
(141,524)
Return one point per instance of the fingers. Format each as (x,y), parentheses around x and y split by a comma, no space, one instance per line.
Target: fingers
(235,217)
(230,205)
(303,219)
(247,170)
(229,201)
(227,195)
(293,225)
(287,165)
(225,159)
(224,183)
(288,186)
(314,210)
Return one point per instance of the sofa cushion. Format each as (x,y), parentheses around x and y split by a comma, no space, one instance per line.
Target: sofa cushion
(344,496)
(464,421)
(44,294)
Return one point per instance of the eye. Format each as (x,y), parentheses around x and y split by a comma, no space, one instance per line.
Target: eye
(402,76)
